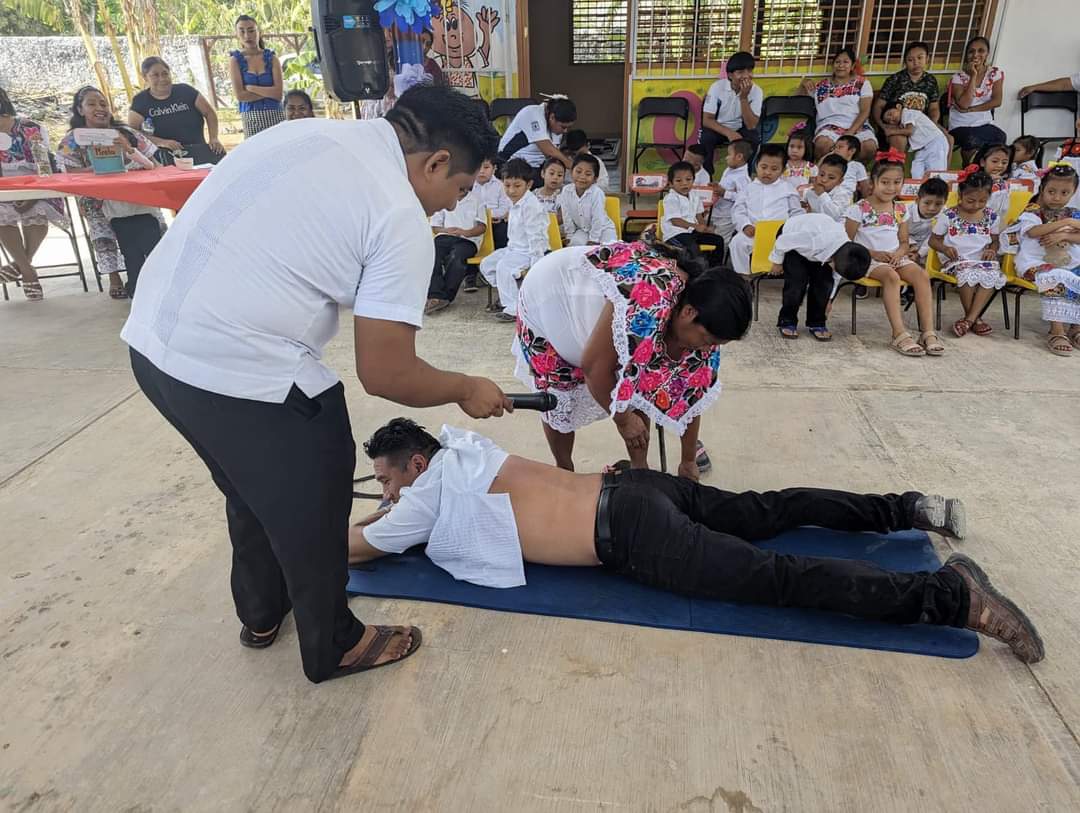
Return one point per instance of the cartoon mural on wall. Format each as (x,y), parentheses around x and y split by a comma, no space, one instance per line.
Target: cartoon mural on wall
(463,43)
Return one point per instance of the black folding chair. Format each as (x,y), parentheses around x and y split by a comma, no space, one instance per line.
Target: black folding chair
(653,107)
(776,106)
(1057,100)
(507,108)
(80,270)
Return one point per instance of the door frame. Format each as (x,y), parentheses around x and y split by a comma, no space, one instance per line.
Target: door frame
(521,12)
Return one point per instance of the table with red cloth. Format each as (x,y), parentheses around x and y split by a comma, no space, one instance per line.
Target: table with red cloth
(164,187)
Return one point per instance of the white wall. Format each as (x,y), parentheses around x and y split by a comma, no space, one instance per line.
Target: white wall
(1035,40)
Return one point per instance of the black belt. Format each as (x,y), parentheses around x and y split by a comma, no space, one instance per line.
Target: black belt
(610,482)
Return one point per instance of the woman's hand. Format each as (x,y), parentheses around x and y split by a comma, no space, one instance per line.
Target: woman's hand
(217,146)
(808,86)
(634,430)
(689,469)
(170,145)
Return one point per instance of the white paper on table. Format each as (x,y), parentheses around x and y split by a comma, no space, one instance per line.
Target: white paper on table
(94,137)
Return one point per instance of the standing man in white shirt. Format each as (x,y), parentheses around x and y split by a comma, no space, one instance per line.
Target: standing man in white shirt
(731,109)
(226,339)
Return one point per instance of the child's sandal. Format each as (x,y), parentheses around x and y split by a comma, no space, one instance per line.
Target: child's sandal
(1059,344)
(32,291)
(981,328)
(907,346)
(931,343)
(961,327)
(9,273)
(1074,337)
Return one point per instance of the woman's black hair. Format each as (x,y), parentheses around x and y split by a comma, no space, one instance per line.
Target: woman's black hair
(740,61)
(79,120)
(552,162)
(399,440)
(433,117)
(916,45)
(723,302)
(150,62)
(6,107)
(985,151)
(677,167)
(976,180)
(849,52)
(591,160)
(247,18)
(303,95)
(973,40)
(563,110)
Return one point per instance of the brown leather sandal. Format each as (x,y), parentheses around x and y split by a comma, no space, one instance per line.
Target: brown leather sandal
(907,346)
(382,639)
(931,343)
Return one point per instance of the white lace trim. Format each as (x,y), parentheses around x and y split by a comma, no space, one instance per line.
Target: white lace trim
(977,274)
(1052,277)
(1057,309)
(575,408)
(610,289)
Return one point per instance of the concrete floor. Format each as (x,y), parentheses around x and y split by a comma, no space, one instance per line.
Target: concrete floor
(125,688)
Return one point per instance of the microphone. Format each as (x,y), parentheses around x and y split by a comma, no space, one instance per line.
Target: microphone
(539,401)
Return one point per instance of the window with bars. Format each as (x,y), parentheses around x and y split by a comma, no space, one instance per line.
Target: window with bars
(944,26)
(680,34)
(803,35)
(598,31)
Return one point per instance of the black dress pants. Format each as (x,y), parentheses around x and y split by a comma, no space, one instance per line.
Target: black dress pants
(807,279)
(499,233)
(286,472)
(450,267)
(678,535)
(136,235)
(694,240)
(710,140)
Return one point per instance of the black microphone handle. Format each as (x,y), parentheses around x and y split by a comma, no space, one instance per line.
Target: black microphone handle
(539,401)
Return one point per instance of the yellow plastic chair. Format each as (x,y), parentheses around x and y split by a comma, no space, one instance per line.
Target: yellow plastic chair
(487,244)
(554,235)
(660,227)
(866,282)
(765,232)
(614,211)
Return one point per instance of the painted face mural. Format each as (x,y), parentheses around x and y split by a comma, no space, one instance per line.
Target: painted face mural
(456,43)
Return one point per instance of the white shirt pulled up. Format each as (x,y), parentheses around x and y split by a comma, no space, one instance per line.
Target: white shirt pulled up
(816,237)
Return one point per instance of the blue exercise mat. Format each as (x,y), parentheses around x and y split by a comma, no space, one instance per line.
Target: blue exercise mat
(595,594)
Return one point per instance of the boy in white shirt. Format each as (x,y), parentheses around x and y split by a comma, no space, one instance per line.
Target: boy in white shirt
(684,213)
(492,194)
(526,238)
(736,177)
(576,143)
(828,195)
(583,206)
(458,233)
(921,214)
(930,144)
(855,179)
(732,108)
(767,197)
(808,249)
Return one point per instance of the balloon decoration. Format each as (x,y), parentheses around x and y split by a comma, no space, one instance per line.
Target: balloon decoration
(408,15)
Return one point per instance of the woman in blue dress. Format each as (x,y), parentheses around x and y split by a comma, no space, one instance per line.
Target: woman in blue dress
(256,79)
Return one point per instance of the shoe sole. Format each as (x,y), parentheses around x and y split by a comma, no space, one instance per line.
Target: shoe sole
(945,515)
(981,579)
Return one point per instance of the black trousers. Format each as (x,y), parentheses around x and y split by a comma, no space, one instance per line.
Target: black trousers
(678,535)
(286,472)
(498,233)
(136,235)
(450,268)
(805,279)
(710,140)
(694,240)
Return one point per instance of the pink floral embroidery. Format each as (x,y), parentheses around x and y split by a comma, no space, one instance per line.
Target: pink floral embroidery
(626,389)
(645,294)
(643,352)
(678,409)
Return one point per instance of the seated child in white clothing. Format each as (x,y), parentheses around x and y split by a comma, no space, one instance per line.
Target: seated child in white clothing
(694,155)
(1025,148)
(458,233)
(735,178)
(552,175)
(827,194)
(582,206)
(921,213)
(575,143)
(526,238)
(995,160)
(799,170)
(930,144)
(684,214)
(492,194)
(767,197)
(856,179)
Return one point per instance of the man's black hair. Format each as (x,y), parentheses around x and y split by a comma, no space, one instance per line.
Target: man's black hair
(519,169)
(834,160)
(744,148)
(574,140)
(679,166)
(933,188)
(399,440)
(852,261)
(772,151)
(591,160)
(563,110)
(434,117)
(740,61)
(723,302)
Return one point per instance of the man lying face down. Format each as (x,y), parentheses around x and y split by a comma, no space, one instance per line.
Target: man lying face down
(483,513)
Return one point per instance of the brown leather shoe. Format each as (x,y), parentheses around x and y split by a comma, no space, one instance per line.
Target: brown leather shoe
(994,615)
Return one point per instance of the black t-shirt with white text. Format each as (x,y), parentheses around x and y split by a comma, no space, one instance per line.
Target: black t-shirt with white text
(174,118)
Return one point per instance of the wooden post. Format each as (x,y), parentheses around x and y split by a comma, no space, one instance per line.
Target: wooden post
(864,30)
(746,27)
(524,88)
(989,16)
(205,43)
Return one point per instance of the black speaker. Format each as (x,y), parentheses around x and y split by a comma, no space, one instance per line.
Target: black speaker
(351,50)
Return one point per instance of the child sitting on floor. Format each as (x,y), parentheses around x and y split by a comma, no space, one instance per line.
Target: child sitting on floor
(878,222)
(458,233)
(827,194)
(583,207)
(921,212)
(1025,148)
(1049,256)
(684,214)
(552,174)
(929,143)
(809,250)
(767,197)
(965,237)
(576,143)
(799,171)
(526,239)
(735,178)
(995,160)
(856,180)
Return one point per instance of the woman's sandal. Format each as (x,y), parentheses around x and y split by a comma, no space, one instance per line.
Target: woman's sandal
(32,291)
(788,331)
(981,328)
(907,346)
(9,273)
(961,327)
(931,343)
(382,639)
(1059,344)
(118,291)
(822,334)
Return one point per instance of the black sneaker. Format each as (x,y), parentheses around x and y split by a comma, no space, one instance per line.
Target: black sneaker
(470,286)
(861,292)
